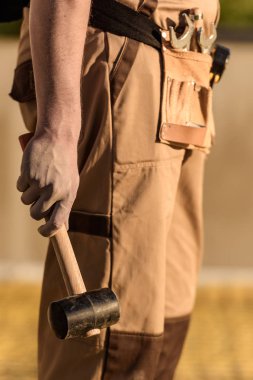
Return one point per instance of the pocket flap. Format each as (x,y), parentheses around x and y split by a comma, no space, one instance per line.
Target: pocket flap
(183,134)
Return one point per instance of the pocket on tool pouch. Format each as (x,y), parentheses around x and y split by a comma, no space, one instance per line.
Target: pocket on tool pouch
(186,114)
(23,91)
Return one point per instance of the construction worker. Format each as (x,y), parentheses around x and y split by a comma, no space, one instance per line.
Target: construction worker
(122,155)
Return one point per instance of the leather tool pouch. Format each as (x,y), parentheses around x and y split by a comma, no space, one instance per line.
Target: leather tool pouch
(186,109)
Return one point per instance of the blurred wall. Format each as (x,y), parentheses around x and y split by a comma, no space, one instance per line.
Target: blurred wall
(228,185)
(19,240)
(229,176)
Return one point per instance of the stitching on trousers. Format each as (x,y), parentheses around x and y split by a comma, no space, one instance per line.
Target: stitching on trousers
(139,165)
(117,65)
(140,334)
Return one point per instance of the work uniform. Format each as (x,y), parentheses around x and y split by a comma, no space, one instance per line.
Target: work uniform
(136,224)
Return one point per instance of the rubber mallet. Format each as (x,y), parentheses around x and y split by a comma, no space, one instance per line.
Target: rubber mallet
(83,313)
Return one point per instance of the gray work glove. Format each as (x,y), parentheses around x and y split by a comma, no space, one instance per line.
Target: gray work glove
(49,179)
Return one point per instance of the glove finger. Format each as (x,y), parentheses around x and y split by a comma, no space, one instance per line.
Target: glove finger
(31,195)
(43,205)
(22,184)
(57,219)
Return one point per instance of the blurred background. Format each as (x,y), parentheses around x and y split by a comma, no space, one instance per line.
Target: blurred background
(220,343)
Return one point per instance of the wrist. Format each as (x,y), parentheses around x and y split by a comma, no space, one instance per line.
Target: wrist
(59,126)
(59,133)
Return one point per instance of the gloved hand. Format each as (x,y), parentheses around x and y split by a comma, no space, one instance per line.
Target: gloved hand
(49,179)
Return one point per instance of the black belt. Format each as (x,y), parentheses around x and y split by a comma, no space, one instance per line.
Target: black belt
(114,17)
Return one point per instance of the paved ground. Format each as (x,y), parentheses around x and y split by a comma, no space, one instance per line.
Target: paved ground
(219,346)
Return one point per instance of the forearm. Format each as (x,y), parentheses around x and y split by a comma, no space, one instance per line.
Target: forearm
(49,175)
(58,31)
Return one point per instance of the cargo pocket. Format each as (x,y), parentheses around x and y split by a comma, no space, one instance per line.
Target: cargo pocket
(186,114)
(23,91)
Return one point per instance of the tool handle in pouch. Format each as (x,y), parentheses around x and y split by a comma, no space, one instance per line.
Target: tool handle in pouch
(64,253)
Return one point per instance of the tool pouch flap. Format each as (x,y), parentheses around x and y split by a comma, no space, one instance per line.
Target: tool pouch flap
(186,113)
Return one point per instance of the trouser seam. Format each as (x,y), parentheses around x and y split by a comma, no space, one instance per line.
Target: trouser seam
(108,332)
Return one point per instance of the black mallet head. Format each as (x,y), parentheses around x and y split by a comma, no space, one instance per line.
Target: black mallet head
(75,316)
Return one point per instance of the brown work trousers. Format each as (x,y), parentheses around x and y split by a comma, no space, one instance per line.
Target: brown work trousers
(136,224)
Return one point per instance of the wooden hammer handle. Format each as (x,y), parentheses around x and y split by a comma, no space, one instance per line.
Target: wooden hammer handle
(67,262)
(63,249)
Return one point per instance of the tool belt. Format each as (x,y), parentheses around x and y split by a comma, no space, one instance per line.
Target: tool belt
(114,17)
(186,103)
(186,118)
